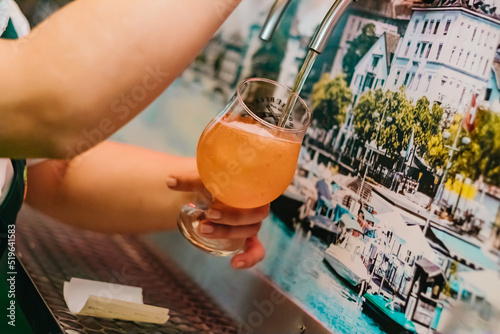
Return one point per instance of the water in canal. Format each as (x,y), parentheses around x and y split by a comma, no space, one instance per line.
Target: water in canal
(294,261)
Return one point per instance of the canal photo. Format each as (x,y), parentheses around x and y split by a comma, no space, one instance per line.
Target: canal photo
(392,221)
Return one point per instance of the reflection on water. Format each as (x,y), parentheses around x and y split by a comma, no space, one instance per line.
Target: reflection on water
(296,265)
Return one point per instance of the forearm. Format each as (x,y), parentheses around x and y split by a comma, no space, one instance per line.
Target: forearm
(114,188)
(93,66)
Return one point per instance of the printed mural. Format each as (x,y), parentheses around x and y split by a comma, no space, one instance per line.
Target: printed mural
(392,222)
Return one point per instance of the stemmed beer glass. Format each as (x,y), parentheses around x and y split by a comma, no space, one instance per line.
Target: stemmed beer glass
(245,160)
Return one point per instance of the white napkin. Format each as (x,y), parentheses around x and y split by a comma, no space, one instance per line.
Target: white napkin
(108,300)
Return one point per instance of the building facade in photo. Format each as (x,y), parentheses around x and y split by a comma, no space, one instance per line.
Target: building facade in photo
(447,54)
(373,70)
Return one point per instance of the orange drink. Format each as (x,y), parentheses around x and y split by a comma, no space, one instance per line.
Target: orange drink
(244,165)
(246,156)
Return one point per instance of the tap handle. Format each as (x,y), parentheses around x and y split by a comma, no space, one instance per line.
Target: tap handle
(320,39)
(273,19)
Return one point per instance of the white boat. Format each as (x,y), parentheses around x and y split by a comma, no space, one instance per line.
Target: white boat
(345,259)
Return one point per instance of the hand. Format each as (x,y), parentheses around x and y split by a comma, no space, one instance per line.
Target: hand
(224,222)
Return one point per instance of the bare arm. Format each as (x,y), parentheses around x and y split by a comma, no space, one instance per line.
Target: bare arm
(115,188)
(119,188)
(93,66)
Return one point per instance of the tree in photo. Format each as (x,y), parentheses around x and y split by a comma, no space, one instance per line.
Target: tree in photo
(481,157)
(358,48)
(437,154)
(364,125)
(464,157)
(488,138)
(394,136)
(406,118)
(427,123)
(429,133)
(330,99)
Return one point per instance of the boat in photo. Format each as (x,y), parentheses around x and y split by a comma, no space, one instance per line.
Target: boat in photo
(314,178)
(345,260)
(325,223)
(388,312)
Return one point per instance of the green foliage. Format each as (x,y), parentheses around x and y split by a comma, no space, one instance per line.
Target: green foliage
(364,124)
(437,154)
(482,155)
(479,158)
(427,122)
(358,48)
(487,138)
(330,99)
(395,136)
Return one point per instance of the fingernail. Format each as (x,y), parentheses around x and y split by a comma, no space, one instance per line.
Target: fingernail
(239,264)
(171,182)
(207,229)
(214,214)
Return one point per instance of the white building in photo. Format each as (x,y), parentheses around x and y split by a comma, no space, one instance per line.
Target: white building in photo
(371,72)
(353,29)
(374,68)
(447,54)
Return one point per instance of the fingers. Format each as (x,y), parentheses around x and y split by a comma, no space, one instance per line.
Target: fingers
(186,182)
(254,253)
(224,215)
(217,231)
(190,181)
(223,222)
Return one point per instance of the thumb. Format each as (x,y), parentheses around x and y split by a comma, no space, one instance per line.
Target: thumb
(187,181)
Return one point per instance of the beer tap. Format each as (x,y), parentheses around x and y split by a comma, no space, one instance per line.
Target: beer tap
(273,19)
(316,47)
(318,42)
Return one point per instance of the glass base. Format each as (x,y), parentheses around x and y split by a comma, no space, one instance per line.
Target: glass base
(189,220)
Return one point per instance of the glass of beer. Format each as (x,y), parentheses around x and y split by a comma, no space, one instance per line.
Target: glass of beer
(244,159)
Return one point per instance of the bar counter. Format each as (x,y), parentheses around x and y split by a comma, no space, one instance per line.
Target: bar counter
(203,293)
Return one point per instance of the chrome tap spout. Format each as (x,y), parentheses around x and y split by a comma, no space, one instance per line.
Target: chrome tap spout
(323,33)
(273,19)
(320,39)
